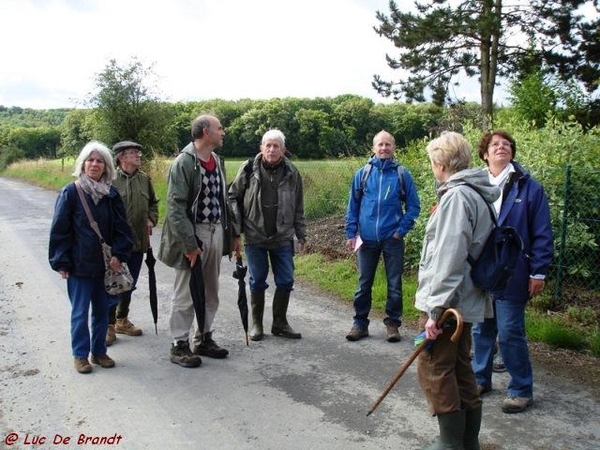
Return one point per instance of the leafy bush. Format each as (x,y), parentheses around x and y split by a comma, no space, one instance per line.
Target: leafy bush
(9,156)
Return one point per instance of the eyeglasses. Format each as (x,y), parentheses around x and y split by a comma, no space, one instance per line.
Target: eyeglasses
(497,144)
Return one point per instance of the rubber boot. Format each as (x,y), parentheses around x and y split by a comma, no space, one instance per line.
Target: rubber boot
(257,302)
(280,327)
(472,426)
(452,431)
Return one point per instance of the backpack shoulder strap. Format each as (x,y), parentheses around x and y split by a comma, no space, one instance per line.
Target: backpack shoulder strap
(367,171)
(470,259)
(363,180)
(248,168)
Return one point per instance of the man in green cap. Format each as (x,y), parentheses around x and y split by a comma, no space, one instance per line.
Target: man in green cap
(141,206)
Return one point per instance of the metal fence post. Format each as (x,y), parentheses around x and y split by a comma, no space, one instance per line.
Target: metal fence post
(563,238)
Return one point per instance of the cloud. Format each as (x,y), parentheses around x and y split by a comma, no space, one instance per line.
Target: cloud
(204,49)
(199,49)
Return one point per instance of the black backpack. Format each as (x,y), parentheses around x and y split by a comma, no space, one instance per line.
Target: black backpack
(497,262)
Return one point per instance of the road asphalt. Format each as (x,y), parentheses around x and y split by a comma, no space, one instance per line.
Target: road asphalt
(312,393)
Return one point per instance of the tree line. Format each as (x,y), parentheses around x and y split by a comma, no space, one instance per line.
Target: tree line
(315,128)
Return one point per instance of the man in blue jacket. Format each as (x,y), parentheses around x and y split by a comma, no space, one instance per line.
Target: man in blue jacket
(382,209)
(524,206)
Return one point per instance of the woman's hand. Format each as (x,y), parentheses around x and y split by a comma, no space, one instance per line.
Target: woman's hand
(431,329)
(114,264)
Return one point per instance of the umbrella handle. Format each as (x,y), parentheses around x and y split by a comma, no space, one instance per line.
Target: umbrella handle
(455,336)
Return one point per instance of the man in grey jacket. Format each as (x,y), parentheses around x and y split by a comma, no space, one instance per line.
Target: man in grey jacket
(196,209)
(267,204)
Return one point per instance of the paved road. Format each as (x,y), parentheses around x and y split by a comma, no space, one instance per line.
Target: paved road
(275,394)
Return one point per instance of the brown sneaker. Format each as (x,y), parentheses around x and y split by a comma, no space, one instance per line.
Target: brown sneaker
(357,333)
(393,335)
(110,335)
(124,326)
(82,365)
(103,361)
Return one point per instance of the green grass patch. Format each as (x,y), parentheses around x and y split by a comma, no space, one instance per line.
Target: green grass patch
(339,278)
(594,342)
(554,331)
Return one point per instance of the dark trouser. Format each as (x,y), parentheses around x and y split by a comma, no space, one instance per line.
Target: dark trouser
(121,310)
(368,257)
(445,372)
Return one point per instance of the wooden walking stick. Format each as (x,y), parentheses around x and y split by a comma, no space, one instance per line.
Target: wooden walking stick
(459,326)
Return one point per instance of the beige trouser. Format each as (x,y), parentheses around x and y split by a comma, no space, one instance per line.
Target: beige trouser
(445,372)
(182,306)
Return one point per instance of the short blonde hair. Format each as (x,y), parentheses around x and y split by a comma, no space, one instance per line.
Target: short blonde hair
(450,150)
(96,146)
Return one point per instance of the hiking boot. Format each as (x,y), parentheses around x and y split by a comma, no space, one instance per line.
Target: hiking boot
(124,326)
(498,364)
(209,348)
(182,355)
(103,361)
(392,332)
(82,365)
(357,333)
(513,404)
(110,335)
(482,390)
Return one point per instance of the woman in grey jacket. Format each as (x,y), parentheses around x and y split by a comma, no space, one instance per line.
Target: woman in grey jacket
(458,227)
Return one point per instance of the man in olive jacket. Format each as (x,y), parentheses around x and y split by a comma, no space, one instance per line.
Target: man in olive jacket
(267,204)
(141,206)
(196,209)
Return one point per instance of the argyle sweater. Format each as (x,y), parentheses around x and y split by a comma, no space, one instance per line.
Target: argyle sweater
(209,210)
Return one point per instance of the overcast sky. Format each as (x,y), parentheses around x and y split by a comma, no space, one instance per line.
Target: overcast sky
(200,49)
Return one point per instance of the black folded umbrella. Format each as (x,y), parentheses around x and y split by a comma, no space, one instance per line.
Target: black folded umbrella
(197,291)
(240,274)
(151,262)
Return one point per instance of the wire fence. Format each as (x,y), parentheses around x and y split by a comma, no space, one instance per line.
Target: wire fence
(575,274)
(574,197)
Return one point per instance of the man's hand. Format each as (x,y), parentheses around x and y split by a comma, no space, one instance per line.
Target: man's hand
(193,256)
(237,246)
(150,225)
(351,243)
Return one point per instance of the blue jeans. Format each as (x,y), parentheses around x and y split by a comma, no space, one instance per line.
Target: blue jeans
(509,325)
(368,258)
(282,263)
(83,291)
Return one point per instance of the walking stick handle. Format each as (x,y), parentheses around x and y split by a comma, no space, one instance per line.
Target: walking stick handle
(455,336)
